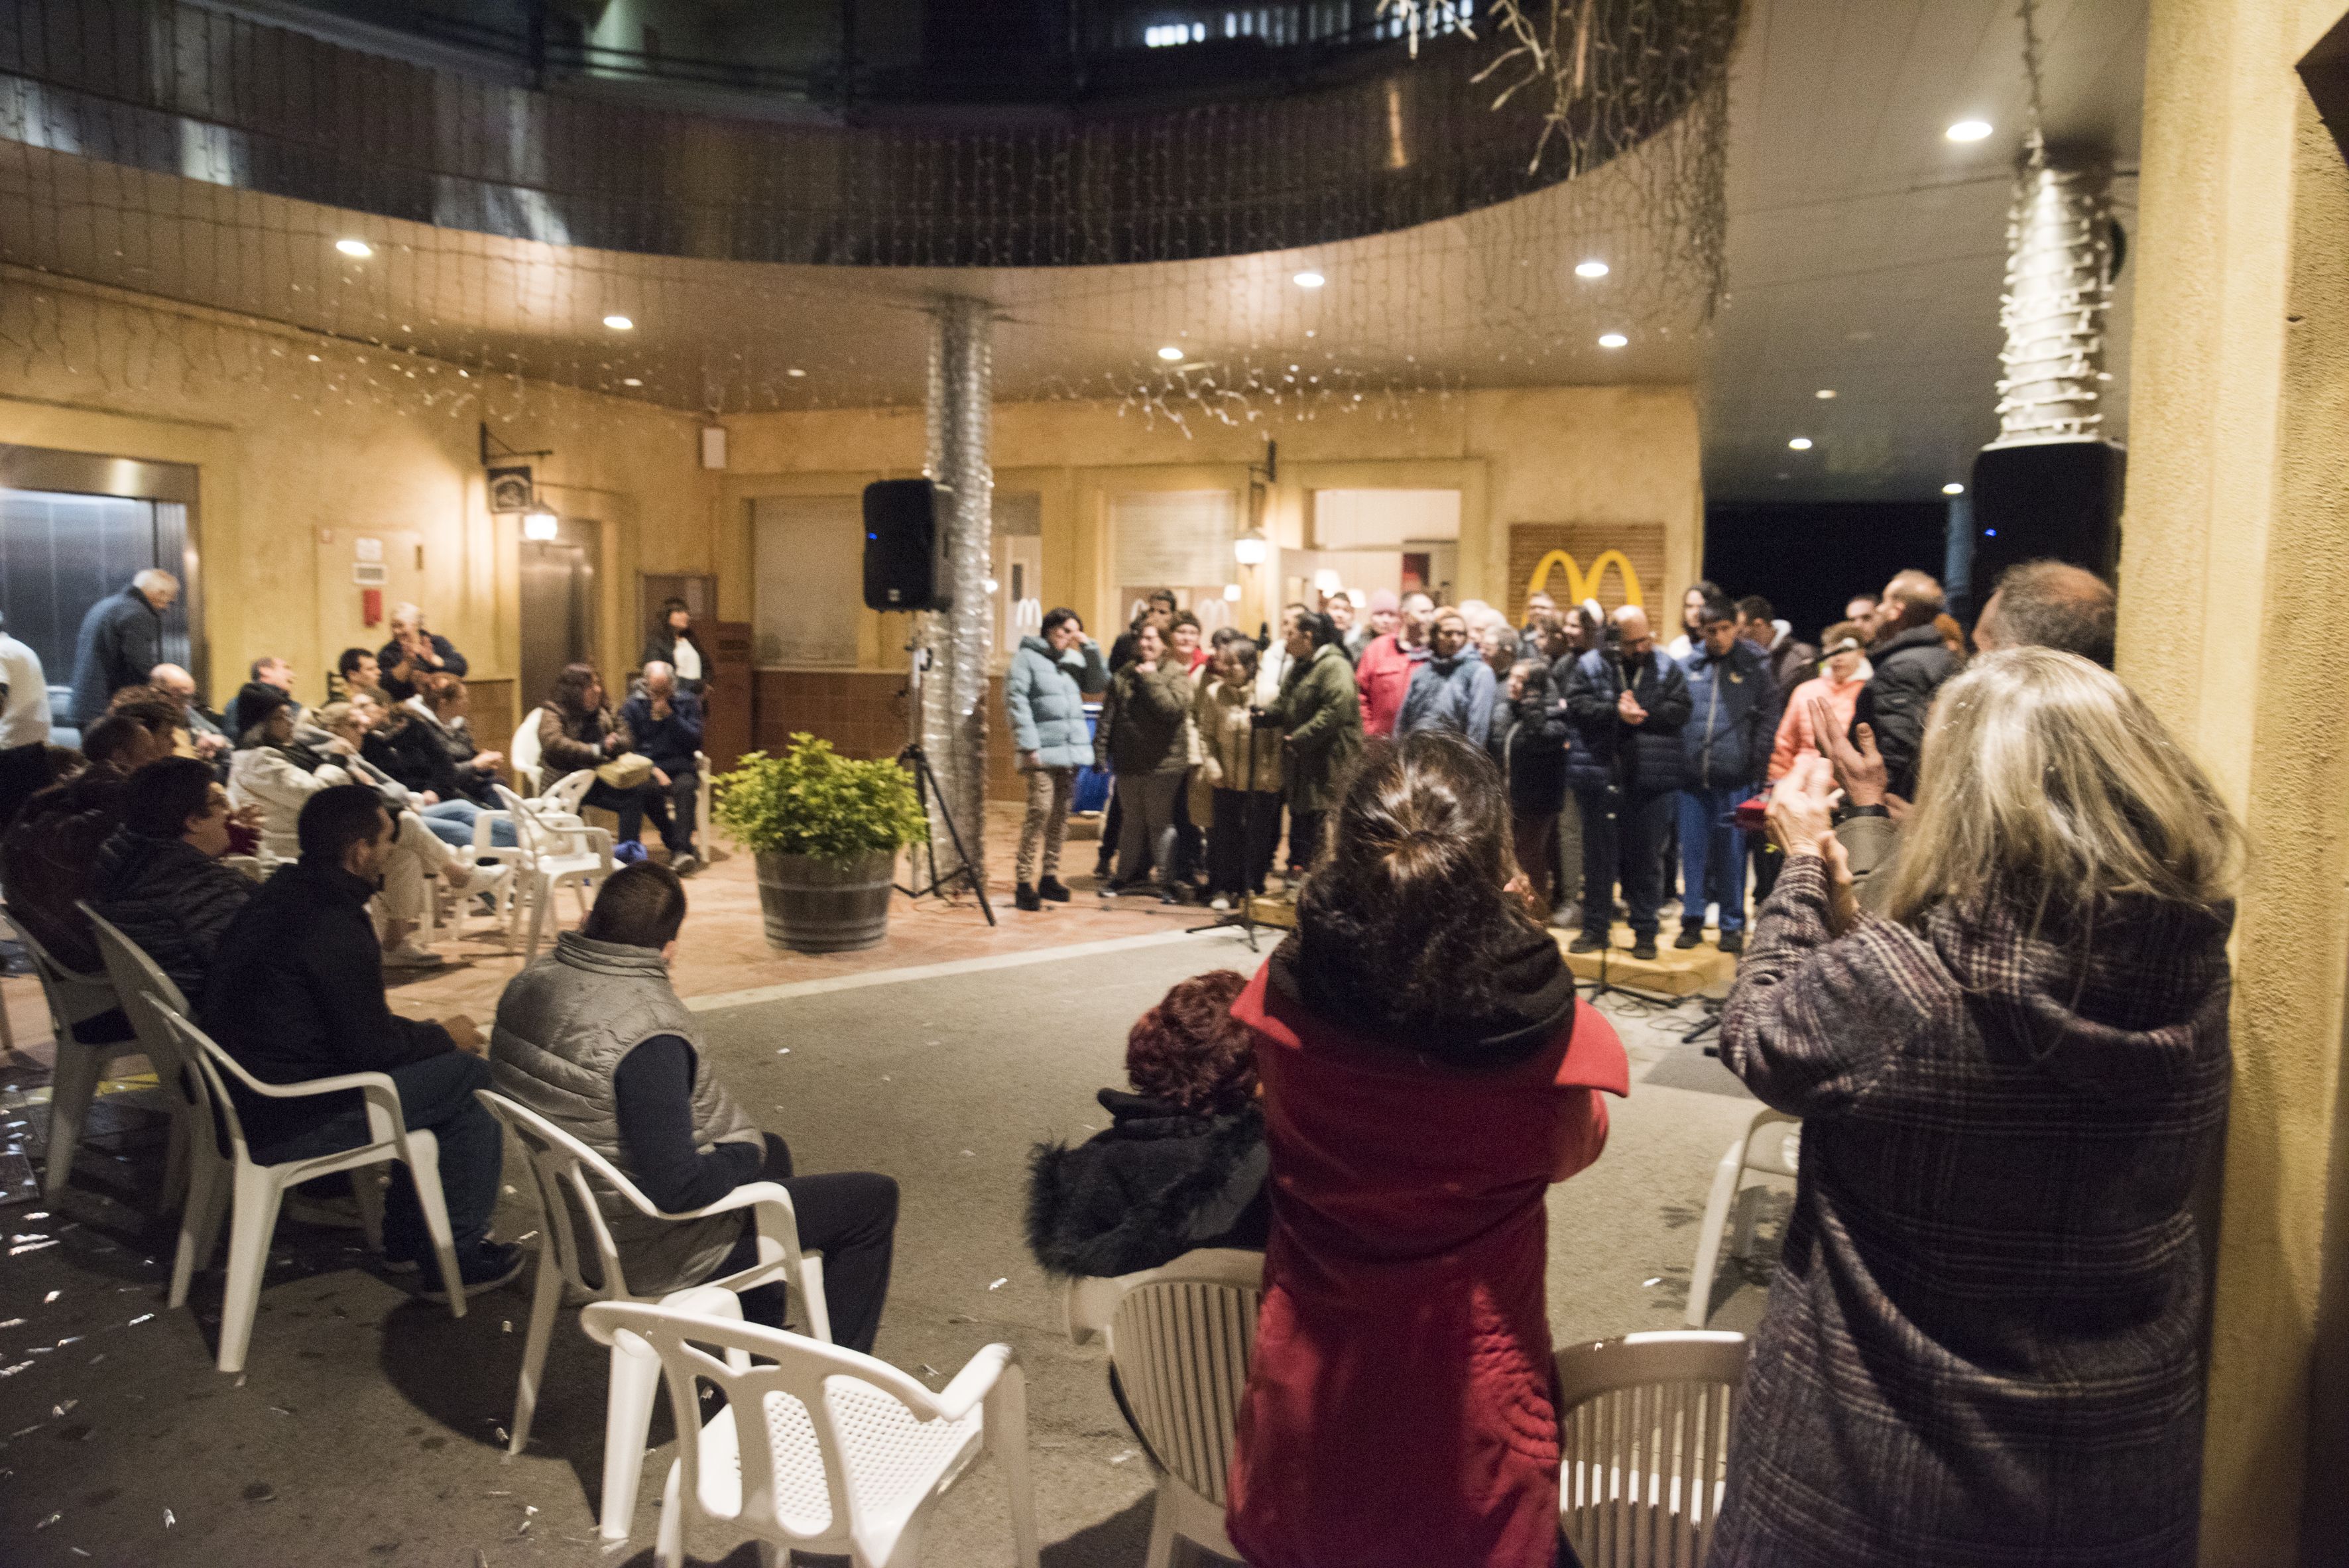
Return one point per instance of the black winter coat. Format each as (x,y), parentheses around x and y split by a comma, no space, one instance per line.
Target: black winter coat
(122,638)
(392,655)
(171,898)
(1909,668)
(296,993)
(50,855)
(414,756)
(1650,752)
(1159,1182)
(1528,741)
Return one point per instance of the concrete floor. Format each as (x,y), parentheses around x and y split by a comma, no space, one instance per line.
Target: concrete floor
(365,1429)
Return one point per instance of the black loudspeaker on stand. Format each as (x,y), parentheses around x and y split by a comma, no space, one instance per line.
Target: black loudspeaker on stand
(2047,500)
(905,546)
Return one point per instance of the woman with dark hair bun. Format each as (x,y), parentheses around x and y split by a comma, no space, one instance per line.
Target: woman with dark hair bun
(1182,1164)
(1427,1074)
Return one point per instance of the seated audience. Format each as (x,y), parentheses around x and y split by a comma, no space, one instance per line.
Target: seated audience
(266,674)
(159,713)
(205,738)
(1530,743)
(1843,671)
(2009,1084)
(1181,1163)
(296,993)
(414,653)
(665,724)
(159,879)
(358,742)
(50,852)
(272,772)
(592,1038)
(576,730)
(441,706)
(1427,1074)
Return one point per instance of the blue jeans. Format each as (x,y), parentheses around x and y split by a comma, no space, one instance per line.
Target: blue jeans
(1713,855)
(436,1095)
(451,822)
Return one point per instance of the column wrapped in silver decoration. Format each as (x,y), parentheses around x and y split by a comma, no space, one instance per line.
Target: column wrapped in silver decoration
(961,641)
(2058,288)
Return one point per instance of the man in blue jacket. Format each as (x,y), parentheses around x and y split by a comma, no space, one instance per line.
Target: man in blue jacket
(1452,687)
(1733,705)
(120,640)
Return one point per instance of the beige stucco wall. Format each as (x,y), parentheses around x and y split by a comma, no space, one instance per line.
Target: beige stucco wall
(1597,454)
(355,441)
(2235,561)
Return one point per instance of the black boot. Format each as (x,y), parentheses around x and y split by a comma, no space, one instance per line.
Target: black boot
(1050,888)
(1643,946)
(1690,936)
(1025,897)
(1732,941)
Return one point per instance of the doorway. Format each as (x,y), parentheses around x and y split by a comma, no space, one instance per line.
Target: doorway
(558,606)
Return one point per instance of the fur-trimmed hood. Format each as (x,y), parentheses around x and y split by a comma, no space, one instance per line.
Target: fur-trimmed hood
(1157,1182)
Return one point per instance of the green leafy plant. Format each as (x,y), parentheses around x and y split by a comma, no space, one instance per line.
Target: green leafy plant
(811,800)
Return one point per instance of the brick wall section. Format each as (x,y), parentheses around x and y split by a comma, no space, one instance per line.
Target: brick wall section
(862,714)
(1642,544)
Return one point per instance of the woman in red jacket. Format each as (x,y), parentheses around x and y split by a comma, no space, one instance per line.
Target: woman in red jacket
(1427,1074)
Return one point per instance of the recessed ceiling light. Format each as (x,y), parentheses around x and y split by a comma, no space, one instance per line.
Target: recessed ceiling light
(1800,444)
(1170,354)
(631,381)
(1612,340)
(1968,130)
(795,372)
(354,247)
(1308,280)
(1824,394)
(618,323)
(1593,268)
(1953,488)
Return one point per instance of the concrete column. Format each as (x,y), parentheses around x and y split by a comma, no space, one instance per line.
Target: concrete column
(961,640)
(2235,560)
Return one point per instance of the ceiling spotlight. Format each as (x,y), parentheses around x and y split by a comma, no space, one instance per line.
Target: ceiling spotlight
(541,525)
(1612,340)
(618,323)
(795,372)
(1308,280)
(1824,394)
(1593,268)
(1968,130)
(1800,444)
(632,380)
(354,247)
(1170,354)
(1953,488)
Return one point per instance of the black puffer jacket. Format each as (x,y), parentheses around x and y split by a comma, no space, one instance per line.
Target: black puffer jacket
(1650,751)
(171,898)
(1157,1184)
(1909,668)
(1528,741)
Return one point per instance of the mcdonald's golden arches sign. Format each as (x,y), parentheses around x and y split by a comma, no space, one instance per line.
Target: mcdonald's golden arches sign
(1616,564)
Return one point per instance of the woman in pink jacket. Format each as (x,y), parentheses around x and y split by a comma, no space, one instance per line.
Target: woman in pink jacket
(1847,673)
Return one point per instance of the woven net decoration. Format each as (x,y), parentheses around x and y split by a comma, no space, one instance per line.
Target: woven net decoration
(177,181)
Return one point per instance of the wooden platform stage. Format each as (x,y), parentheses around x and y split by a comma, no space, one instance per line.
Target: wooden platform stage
(1673,972)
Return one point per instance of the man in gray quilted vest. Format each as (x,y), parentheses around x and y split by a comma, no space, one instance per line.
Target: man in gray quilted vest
(594,1038)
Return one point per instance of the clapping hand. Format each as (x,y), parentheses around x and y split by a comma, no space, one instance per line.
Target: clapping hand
(1802,807)
(1859,766)
(1628,707)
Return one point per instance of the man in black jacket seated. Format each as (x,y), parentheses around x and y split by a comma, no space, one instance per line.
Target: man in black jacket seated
(159,878)
(665,725)
(296,993)
(594,1038)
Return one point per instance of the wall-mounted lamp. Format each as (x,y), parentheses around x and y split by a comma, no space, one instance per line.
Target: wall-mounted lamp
(1249,550)
(1231,593)
(541,525)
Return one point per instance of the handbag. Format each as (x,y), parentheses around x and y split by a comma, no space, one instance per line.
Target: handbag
(626,771)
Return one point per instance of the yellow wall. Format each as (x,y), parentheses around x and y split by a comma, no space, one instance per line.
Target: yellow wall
(355,442)
(2235,562)
(1538,455)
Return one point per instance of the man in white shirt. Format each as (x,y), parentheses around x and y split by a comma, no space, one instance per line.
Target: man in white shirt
(24,724)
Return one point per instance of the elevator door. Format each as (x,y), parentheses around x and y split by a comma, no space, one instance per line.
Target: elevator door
(60,552)
(558,613)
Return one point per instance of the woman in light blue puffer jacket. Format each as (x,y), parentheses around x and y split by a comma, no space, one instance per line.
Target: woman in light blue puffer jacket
(1045,689)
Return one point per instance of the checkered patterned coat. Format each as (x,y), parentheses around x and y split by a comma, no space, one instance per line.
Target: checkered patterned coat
(1982,1346)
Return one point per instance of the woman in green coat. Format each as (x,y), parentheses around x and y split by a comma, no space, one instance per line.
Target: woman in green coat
(1142,743)
(1321,708)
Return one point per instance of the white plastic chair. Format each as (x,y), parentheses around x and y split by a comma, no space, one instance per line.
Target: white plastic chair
(136,979)
(552,854)
(74,998)
(849,1455)
(1776,1154)
(256,1189)
(1181,1340)
(1644,1424)
(702,800)
(560,1166)
(522,753)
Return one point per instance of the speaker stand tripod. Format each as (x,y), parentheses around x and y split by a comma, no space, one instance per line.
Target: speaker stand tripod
(925,786)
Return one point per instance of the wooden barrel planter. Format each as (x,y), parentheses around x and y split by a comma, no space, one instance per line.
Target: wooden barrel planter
(825,906)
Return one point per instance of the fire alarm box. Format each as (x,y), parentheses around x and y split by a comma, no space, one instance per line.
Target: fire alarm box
(371,606)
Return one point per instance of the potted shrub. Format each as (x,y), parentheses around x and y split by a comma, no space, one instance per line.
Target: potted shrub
(825,831)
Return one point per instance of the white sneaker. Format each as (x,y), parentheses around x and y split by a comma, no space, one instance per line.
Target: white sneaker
(685,865)
(1219,904)
(407,955)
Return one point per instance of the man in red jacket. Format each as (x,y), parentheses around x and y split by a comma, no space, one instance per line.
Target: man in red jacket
(1383,673)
